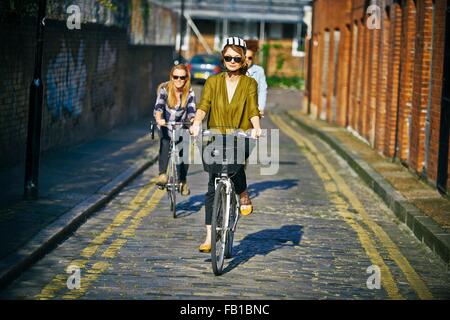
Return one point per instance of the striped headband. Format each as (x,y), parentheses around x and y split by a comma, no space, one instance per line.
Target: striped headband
(235,41)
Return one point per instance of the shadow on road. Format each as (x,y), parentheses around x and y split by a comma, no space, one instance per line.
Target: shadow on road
(256,188)
(195,203)
(190,206)
(264,242)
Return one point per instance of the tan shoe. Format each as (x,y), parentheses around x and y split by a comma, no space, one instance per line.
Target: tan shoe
(162,179)
(185,189)
(205,248)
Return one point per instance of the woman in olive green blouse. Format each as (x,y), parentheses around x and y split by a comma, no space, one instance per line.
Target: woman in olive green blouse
(231,100)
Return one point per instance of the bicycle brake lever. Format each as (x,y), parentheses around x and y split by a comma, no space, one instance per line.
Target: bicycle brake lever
(152,129)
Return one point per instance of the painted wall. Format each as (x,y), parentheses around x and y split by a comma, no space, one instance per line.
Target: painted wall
(94,80)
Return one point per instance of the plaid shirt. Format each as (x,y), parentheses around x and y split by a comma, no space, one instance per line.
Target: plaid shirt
(178,113)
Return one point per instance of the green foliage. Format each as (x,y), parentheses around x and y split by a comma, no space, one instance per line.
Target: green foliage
(145,8)
(265,57)
(295,82)
(108,4)
(280,61)
(277,46)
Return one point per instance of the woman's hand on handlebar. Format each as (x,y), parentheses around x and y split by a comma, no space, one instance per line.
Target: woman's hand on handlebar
(161,122)
(195,129)
(256,133)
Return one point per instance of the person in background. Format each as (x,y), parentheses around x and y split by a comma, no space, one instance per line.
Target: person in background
(257,73)
(175,102)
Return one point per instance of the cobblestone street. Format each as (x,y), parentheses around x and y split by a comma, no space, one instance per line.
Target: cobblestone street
(315,231)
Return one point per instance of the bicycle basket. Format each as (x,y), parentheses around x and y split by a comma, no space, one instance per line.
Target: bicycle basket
(225,153)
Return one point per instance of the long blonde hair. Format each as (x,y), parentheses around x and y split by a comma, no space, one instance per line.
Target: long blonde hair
(172,90)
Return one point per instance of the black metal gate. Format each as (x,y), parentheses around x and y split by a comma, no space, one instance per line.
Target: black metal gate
(445,112)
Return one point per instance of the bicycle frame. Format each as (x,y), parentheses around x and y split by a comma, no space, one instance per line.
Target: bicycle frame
(174,158)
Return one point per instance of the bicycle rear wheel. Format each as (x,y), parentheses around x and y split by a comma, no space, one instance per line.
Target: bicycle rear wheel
(218,230)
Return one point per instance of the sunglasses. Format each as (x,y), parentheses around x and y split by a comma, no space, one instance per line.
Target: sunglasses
(236,59)
(179,77)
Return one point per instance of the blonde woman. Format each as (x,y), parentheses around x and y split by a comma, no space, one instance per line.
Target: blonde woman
(175,102)
(231,100)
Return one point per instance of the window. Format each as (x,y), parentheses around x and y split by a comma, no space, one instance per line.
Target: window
(275,31)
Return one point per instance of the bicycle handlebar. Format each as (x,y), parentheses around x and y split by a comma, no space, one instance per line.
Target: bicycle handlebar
(236,133)
(169,123)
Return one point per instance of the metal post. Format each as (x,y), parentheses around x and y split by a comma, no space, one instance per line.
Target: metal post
(262,40)
(181,30)
(310,52)
(35,113)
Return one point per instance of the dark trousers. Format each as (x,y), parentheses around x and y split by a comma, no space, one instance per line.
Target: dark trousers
(240,185)
(164,149)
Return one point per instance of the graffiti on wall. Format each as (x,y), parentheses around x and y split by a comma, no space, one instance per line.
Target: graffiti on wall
(103,88)
(66,83)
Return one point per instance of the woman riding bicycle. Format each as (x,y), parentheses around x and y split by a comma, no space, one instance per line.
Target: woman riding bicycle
(232,102)
(175,102)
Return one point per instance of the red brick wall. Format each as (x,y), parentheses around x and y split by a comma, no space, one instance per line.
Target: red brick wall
(421,83)
(436,95)
(383,80)
(359,74)
(330,76)
(383,72)
(373,78)
(343,75)
(393,80)
(364,79)
(406,77)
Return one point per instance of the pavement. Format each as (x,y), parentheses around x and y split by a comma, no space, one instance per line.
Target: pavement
(317,228)
(417,204)
(74,182)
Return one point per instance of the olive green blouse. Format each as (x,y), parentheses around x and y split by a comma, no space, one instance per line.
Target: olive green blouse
(237,114)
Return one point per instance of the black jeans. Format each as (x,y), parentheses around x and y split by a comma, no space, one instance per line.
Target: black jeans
(164,148)
(240,185)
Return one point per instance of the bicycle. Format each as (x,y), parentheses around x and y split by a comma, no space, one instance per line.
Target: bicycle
(173,185)
(226,206)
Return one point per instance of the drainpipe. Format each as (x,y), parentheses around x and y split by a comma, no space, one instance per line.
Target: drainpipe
(399,88)
(430,89)
(181,29)
(311,43)
(35,113)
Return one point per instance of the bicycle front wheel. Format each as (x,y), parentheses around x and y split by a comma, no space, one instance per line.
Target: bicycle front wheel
(232,221)
(173,189)
(218,229)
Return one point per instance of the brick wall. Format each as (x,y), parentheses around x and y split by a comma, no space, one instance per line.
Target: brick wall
(406,77)
(393,79)
(390,79)
(421,83)
(93,81)
(382,76)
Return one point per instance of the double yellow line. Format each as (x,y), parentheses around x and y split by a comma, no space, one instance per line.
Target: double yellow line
(90,275)
(341,196)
